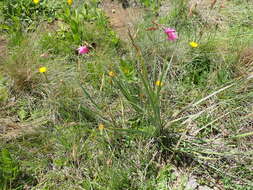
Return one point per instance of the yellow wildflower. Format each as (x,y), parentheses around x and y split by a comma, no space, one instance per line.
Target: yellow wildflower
(126,71)
(158,83)
(42,69)
(101,127)
(111,74)
(36,1)
(70,2)
(193,44)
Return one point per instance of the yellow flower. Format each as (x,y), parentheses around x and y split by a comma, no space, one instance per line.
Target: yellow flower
(70,2)
(36,1)
(158,83)
(126,71)
(42,69)
(111,74)
(101,127)
(193,44)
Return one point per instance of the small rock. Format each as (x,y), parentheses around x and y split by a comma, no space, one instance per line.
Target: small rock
(192,183)
(204,188)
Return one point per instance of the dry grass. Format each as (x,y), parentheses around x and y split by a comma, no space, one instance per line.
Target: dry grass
(245,63)
(22,67)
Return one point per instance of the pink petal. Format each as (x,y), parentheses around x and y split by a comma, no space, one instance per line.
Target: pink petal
(83,50)
(172,36)
(169,30)
(171,33)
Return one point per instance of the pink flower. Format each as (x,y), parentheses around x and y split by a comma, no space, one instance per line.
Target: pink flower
(83,50)
(171,33)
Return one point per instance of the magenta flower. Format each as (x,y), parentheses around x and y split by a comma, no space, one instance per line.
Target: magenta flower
(171,33)
(83,50)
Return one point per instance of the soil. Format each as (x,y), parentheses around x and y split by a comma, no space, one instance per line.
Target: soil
(12,128)
(3,49)
(122,18)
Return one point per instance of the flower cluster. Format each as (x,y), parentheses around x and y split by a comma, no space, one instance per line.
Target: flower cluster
(84,49)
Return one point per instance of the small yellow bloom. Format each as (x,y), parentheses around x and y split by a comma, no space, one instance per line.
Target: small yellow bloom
(111,74)
(101,127)
(70,2)
(42,69)
(193,44)
(126,71)
(158,83)
(36,1)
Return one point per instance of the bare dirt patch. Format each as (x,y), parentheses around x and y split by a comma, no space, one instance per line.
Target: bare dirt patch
(121,19)
(11,128)
(3,49)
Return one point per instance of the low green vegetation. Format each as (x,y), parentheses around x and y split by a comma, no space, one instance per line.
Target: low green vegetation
(82,107)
